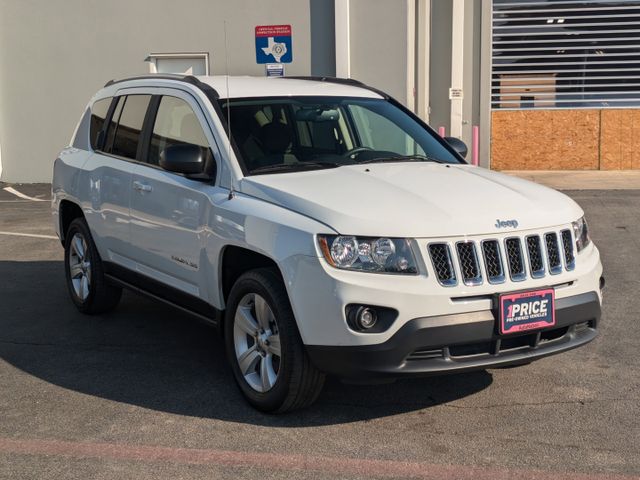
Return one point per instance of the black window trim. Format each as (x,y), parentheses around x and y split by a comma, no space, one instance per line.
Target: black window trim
(145,135)
(105,124)
(109,148)
(147,130)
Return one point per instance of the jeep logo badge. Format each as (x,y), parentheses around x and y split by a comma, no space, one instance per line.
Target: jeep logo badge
(506,223)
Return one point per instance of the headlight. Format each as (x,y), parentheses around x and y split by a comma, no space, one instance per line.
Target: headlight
(366,254)
(581,232)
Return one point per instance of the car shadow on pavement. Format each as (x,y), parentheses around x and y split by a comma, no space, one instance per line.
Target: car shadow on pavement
(155,357)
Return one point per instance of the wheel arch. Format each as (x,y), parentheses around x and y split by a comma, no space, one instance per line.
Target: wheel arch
(235,261)
(68,212)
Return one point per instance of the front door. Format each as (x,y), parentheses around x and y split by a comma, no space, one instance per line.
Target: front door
(170,212)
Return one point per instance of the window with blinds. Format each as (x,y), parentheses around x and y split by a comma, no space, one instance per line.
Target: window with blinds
(565,54)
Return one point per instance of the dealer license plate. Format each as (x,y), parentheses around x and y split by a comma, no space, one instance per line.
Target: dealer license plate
(524,311)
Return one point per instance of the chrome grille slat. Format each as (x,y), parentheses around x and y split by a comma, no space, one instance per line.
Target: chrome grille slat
(493,261)
(553,253)
(469,264)
(442,264)
(515,259)
(536,260)
(567,248)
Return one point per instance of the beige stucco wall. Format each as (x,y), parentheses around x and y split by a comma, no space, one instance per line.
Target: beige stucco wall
(54,55)
(378,43)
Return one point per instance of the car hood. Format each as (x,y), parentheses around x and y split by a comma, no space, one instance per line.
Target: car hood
(415,200)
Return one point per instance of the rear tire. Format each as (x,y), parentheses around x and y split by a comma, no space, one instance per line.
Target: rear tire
(264,348)
(88,287)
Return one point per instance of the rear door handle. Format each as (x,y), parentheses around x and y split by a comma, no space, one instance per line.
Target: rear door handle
(141,187)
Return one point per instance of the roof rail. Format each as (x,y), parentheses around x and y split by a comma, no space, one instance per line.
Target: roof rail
(190,79)
(342,81)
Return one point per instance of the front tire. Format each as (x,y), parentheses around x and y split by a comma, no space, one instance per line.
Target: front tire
(264,348)
(88,287)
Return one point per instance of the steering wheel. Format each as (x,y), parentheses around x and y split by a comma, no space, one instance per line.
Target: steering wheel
(354,152)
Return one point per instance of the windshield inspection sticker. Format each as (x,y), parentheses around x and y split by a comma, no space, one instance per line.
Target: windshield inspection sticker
(273,44)
(520,312)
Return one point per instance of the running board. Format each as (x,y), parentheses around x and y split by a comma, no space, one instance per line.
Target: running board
(214,322)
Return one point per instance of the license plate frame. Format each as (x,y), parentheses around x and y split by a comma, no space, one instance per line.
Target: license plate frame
(526,311)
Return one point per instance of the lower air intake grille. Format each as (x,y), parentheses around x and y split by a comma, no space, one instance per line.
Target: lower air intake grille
(442,264)
(425,354)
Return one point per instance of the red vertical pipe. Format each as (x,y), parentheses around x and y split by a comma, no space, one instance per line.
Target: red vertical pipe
(442,132)
(476,145)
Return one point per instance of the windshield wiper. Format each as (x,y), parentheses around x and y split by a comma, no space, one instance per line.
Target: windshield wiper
(293,167)
(404,158)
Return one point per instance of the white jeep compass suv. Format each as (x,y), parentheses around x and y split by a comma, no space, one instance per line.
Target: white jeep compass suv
(333,232)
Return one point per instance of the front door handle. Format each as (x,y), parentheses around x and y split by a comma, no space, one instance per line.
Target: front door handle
(141,187)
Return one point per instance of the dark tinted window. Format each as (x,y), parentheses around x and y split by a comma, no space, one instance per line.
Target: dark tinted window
(175,124)
(111,131)
(98,115)
(127,136)
(290,131)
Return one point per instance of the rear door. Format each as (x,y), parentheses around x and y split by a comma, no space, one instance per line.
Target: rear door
(170,212)
(115,130)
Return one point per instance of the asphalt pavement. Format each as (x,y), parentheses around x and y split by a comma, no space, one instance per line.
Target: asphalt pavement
(144,392)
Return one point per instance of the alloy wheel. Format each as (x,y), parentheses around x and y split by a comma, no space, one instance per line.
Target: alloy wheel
(257,342)
(80,266)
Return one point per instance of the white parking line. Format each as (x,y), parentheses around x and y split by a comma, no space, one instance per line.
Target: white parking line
(22,195)
(31,235)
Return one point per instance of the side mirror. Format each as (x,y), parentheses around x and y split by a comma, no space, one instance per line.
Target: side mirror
(458,145)
(185,158)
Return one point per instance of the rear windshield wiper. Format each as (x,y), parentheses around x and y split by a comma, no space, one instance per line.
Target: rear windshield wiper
(293,167)
(404,158)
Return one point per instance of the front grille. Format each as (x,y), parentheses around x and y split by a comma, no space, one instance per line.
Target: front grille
(553,253)
(469,265)
(506,344)
(515,259)
(470,349)
(442,263)
(536,262)
(425,354)
(493,261)
(567,247)
(499,345)
(532,256)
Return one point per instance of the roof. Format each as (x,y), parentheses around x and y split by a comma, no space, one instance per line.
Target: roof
(256,87)
(245,86)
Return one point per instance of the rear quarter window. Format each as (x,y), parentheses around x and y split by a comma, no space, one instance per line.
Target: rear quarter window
(127,132)
(99,112)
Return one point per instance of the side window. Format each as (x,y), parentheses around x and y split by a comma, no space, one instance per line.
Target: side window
(113,125)
(175,124)
(99,112)
(127,132)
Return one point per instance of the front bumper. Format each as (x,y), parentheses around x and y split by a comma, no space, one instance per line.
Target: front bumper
(462,342)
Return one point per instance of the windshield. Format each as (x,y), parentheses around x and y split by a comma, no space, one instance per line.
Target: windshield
(276,135)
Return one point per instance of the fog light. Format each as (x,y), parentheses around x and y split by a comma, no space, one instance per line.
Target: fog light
(366,318)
